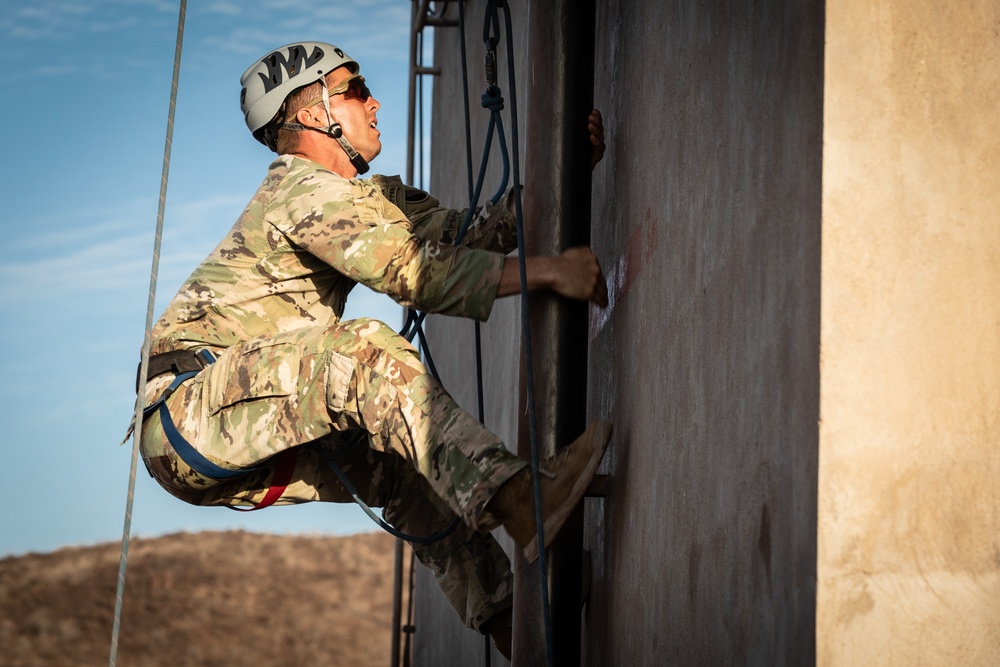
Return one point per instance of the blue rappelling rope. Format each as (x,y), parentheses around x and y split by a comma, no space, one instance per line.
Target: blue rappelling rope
(492,100)
(330,459)
(492,22)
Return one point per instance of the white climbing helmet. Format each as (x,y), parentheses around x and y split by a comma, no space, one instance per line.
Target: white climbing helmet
(270,80)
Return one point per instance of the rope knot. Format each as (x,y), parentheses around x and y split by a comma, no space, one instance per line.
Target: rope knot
(492,99)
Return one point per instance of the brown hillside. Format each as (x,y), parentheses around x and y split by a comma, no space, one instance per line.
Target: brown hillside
(203,599)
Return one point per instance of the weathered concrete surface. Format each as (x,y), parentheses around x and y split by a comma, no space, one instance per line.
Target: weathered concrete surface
(729,497)
(909,553)
(707,215)
(707,219)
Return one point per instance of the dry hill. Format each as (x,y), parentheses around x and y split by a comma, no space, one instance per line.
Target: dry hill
(203,599)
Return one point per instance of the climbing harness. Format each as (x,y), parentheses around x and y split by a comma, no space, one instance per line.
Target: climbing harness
(284,462)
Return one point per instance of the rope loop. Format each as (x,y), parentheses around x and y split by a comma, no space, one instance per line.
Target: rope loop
(491,27)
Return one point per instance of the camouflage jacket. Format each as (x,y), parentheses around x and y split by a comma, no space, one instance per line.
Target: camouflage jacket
(309,236)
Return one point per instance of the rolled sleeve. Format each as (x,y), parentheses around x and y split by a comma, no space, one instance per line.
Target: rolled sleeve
(353,228)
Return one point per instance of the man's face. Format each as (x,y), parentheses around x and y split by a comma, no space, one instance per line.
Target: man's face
(356,115)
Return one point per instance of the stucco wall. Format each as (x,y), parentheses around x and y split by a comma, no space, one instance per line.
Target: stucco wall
(909,554)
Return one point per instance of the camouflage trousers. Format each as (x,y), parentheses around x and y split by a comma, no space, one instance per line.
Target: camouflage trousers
(321,391)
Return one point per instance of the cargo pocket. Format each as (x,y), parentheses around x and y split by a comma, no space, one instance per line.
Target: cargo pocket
(340,371)
(258,369)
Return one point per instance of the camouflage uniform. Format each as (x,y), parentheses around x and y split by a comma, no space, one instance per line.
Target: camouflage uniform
(291,374)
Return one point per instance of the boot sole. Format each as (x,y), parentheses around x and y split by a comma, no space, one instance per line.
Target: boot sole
(600,440)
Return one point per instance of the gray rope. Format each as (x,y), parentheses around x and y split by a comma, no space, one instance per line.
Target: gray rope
(147,341)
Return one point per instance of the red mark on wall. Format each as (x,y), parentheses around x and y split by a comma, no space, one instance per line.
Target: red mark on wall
(639,252)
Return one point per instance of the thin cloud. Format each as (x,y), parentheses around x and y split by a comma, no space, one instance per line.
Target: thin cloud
(213,38)
(59,20)
(114,26)
(274,23)
(68,30)
(111,254)
(62,69)
(224,8)
(104,267)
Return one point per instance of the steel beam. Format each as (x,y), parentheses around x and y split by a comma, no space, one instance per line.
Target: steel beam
(560,94)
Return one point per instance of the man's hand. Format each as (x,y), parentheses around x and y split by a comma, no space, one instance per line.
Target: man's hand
(574,274)
(595,131)
(579,276)
(595,126)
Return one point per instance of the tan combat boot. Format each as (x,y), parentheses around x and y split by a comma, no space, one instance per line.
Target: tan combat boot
(565,478)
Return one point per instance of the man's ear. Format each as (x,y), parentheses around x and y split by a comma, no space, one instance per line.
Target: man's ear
(306,117)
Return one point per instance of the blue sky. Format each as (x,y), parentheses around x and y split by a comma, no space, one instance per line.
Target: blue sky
(86,89)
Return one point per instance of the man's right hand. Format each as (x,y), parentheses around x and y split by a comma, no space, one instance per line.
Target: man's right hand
(574,274)
(579,276)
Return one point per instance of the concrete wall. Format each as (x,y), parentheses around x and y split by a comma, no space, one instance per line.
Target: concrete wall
(707,218)
(707,215)
(909,553)
(730,498)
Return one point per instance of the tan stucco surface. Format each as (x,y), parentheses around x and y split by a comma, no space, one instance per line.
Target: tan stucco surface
(909,476)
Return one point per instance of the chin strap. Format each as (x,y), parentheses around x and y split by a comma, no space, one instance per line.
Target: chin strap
(357,160)
(335,131)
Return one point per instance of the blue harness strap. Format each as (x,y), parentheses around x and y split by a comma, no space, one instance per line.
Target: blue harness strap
(284,462)
(191,456)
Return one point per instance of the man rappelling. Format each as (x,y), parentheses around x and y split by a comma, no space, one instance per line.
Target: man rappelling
(255,381)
